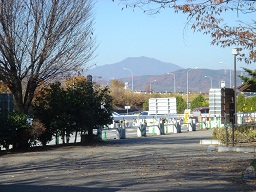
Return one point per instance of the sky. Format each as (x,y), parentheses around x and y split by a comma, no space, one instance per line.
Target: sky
(132,33)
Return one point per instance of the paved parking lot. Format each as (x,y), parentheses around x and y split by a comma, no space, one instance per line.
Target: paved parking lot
(175,162)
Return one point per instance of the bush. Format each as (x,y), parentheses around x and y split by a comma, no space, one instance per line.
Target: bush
(243,133)
(19,131)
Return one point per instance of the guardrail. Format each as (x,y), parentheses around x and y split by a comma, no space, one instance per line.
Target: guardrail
(144,129)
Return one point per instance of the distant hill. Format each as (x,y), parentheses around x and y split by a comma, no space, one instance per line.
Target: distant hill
(139,66)
(146,70)
(197,82)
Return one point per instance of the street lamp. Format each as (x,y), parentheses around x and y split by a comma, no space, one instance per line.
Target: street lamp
(132,75)
(235,52)
(150,85)
(174,88)
(187,84)
(210,78)
(230,83)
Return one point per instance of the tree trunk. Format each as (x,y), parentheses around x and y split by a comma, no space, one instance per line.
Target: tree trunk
(76,136)
(90,135)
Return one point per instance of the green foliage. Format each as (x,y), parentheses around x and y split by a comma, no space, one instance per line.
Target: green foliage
(199,101)
(241,103)
(180,104)
(78,108)
(246,104)
(244,133)
(19,132)
(250,78)
(145,106)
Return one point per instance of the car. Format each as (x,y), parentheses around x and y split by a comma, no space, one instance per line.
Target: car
(203,110)
(144,113)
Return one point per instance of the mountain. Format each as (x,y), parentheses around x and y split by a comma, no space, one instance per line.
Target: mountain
(197,82)
(138,66)
(148,71)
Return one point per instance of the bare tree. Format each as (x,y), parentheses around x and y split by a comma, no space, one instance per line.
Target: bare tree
(40,40)
(208,17)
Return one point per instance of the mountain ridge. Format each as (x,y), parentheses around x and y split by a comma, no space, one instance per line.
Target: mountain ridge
(144,70)
(138,66)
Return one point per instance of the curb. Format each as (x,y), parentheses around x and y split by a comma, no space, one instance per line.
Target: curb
(210,142)
(236,149)
(225,149)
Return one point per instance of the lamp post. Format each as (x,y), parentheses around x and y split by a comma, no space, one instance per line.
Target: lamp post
(132,75)
(210,78)
(174,87)
(187,84)
(235,52)
(230,83)
(150,85)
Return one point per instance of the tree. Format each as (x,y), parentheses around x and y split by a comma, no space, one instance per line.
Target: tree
(241,103)
(251,78)
(199,101)
(81,107)
(207,16)
(19,132)
(41,40)
(181,104)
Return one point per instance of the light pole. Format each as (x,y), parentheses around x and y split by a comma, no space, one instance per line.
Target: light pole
(132,75)
(150,85)
(230,83)
(235,52)
(187,84)
(174,87)
(210,78)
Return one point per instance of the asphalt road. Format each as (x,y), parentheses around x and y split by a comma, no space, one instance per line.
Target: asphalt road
(175,162)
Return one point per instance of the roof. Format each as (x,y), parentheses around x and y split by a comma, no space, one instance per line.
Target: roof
(247,88)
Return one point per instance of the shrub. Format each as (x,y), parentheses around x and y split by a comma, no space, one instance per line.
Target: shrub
(243,133)
(20,131)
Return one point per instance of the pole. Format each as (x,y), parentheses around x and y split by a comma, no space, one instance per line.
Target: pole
(150,86)
(132,75)
(210,79)
(233,127)
(187,86)
(235,52)
(230,78)
(174,83)
(235,120)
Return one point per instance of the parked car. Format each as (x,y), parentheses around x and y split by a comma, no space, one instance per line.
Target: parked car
(144,113)
(203,110)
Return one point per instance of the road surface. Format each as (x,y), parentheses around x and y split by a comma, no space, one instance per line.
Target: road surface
(167,163)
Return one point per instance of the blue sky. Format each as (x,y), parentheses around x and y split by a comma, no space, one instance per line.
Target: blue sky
(165,37)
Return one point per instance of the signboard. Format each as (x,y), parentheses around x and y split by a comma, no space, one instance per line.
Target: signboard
(186,115)
(220,103)
(127,107)
(162,106)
